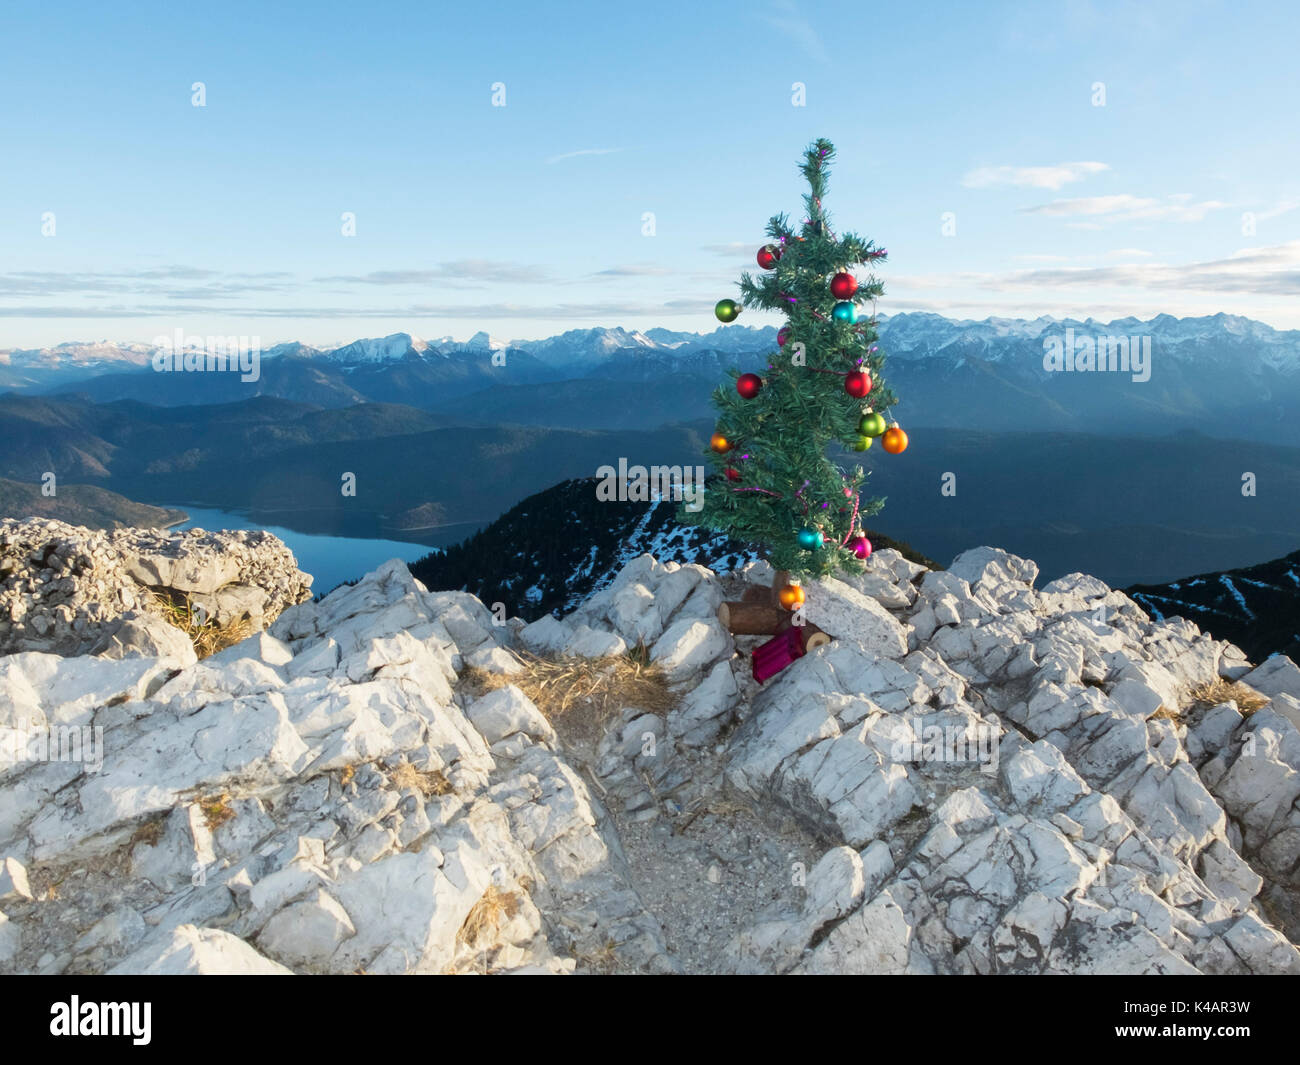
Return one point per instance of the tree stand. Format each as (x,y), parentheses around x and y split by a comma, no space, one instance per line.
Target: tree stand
(759,613)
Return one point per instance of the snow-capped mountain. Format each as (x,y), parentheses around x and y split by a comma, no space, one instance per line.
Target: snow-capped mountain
(383,349)
(585,347)
(1221,374)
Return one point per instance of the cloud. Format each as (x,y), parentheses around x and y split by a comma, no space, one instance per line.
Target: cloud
(736,247)
(1284,207)
(583,151)
(636,271)
(1129,253)
(457,270)
(789,20)
(1127,208)
(1262,272)
(1038,177)
(156,281)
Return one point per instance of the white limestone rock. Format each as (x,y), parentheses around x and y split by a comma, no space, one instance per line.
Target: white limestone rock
(689,646)
(191,951)
(847,614)
(1276,676)
(508,710)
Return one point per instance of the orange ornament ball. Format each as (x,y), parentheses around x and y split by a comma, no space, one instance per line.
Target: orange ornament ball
(790,596)
(894,441)
(719,443)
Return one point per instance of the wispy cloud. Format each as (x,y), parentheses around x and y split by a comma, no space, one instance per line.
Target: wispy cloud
(736,247)
(636,271)
(790,21)
(1038,177)
(1127,208)
(183,281)
(1264,271)
(583,151)
(456,270)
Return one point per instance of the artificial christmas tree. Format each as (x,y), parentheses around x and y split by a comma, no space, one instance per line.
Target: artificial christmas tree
(822,385)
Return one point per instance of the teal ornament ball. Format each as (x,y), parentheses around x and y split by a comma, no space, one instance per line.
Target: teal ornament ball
(845,312)
(811,539)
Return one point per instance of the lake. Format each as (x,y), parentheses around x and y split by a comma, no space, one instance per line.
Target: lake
(330,560)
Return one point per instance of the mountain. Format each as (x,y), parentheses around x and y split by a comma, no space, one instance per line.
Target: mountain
(398,779)
(1130,509)
(1221,374)
(82,504)
(560,546)
(1256,607)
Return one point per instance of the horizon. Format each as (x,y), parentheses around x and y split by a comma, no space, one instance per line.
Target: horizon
(336,344)
(1017,160)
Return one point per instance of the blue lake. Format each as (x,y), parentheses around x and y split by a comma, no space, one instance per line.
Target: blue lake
(330,560)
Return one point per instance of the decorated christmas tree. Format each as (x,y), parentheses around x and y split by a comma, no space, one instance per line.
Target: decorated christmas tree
(777,486)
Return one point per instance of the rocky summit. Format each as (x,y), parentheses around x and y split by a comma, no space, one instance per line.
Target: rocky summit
(975,776)
(69,590)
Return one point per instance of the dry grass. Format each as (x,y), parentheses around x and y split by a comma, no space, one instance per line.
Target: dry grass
(428,782)
(1222,691)
(149,832)
(486,917)
(603,959)
(1172,715)
(216,810)
(205,634)
(579,696)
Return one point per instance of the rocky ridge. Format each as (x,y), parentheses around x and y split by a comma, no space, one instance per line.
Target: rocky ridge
(975,776)
(69,590)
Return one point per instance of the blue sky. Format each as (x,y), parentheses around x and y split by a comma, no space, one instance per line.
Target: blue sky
(526,220)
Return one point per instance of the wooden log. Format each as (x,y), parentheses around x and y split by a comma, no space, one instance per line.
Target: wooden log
(756,593)
(751,619)
(813,637)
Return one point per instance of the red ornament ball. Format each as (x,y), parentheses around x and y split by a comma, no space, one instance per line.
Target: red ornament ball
(732,473)
(768,256)
(843,286)
(748,384)
(857,383)
(782,335)
(860,546)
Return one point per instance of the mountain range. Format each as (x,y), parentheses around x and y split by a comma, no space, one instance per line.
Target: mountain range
(1223,375)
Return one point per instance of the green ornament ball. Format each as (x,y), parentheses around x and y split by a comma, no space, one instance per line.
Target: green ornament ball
(871,425)
(844,311)
(727,310)
(811,539)
(862,443)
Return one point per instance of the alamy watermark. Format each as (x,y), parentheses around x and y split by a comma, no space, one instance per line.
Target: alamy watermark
(53,743)
(1086,354)
(955,744)
(641,484)
(179,353)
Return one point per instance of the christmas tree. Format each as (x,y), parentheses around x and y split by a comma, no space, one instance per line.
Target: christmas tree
(777,486)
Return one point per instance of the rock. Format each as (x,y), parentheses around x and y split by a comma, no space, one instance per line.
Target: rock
(328,797)
(13,881)
(847,614)
(689,646)
(308,932)
(76,591)
(992,568)
(1278,675)
(508,710)
(199,952)
(545,636)
(587,642)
